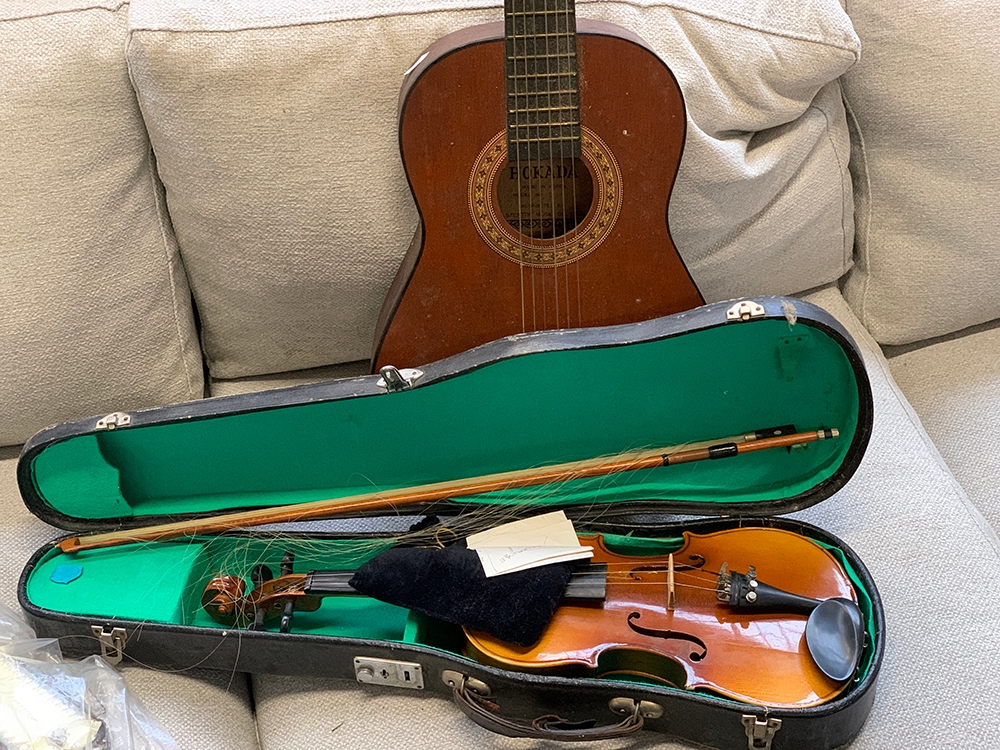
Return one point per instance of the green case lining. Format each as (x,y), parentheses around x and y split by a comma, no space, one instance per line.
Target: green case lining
(542,408)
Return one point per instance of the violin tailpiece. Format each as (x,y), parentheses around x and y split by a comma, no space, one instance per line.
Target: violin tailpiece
(744,591)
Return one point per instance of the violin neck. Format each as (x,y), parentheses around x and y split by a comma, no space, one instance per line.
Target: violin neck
(589,581)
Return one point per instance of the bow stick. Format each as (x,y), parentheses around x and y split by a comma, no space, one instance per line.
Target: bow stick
(383,499)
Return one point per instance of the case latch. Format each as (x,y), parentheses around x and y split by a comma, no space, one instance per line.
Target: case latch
(760,733)
(744,310)
(405,674)
(114,420)
(112,643)
(394,380)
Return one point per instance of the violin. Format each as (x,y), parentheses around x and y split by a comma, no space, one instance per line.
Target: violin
(786,633)
(711,640)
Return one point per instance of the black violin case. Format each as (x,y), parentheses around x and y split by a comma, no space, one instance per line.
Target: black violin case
(524,401)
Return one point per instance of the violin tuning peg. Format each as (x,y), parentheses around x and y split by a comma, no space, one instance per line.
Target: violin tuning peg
(258,620)
(287,563)
(259,574)
(286,617)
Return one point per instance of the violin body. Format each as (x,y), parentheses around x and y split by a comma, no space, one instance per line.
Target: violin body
(508,244)
(755,657)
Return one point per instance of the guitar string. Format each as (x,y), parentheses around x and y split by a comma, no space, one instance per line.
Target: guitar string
(552,184)
(571,63)
(514,103)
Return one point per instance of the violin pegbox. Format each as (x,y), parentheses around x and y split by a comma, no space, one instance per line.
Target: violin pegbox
(227,601)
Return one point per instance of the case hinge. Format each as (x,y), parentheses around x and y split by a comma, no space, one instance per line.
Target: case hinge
(394,380)
(760,733)
(112,643)
(745,310)
(454,679)
(405,674)
(114,420)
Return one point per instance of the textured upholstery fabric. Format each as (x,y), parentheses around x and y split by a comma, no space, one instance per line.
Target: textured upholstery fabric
(902,512)
(89,272)
(287,379)
(926,99)
(291,208)
(954,385)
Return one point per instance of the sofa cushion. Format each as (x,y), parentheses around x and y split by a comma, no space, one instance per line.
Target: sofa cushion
(954,386)
(274,126)
(96,313)
(926,100)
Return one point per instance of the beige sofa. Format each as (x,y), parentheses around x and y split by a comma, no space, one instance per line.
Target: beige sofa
(244,156)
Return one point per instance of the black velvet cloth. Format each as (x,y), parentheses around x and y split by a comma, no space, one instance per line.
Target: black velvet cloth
(449,584)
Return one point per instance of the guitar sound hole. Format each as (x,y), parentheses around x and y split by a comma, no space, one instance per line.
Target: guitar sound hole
(544,199)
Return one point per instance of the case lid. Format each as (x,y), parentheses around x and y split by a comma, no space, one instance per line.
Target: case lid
(525,401)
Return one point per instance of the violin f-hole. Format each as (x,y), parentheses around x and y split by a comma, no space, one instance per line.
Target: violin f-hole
(669,635)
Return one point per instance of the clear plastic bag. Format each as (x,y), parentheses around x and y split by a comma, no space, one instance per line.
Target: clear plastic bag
(50,704)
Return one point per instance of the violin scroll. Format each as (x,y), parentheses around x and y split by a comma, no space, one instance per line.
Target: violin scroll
(227,601)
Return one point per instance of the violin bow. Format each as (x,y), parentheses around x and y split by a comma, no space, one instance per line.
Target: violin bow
(385,499)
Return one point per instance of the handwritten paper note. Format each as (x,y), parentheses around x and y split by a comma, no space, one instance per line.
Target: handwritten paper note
(528,543)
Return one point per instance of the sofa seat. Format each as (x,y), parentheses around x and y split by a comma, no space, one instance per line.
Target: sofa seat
(953,384)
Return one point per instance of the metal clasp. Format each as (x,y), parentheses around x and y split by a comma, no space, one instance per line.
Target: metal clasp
(114,420)
(404,674)
(112,643)
(760,733)
(745,310)
(393,380)
(454,680)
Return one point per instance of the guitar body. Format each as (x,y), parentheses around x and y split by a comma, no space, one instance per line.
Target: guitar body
(506,246)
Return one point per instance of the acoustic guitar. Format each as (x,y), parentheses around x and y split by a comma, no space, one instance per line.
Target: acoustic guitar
(541,154)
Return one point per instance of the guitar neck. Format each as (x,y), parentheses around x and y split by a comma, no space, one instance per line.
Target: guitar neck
(543,92)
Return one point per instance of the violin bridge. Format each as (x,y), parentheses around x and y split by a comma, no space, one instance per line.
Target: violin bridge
(671,589)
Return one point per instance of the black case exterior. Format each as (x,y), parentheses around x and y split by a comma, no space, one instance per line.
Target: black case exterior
(519,698)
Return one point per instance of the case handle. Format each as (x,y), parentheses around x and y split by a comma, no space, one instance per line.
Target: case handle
(483,711)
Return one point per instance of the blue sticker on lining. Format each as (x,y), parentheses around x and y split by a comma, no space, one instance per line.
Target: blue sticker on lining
(66,573)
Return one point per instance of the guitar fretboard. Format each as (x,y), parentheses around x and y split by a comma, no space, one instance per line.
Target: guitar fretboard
(543,93)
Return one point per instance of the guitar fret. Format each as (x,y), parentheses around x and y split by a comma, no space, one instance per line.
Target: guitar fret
(526,110)
(553,74)
(548,92)
(559,35)
(562,124)
(549,56)
(545,139)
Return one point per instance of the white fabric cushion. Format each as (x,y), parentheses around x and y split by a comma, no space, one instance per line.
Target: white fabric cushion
(95,311)
(274,125)
(902,512)
(926,98)
(954,385)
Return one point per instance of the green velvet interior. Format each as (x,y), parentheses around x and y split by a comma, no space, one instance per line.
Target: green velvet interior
(163,583)
(527,411)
